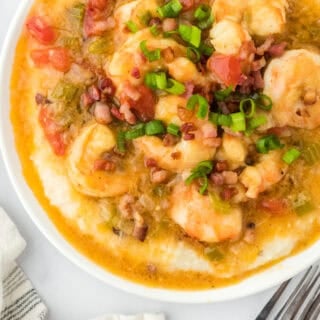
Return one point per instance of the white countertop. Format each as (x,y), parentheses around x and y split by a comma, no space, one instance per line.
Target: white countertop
(71,294)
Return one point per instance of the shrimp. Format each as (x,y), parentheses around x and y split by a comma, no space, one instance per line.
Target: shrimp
(167,109)
(264,18)
(293,83)
(182,156)
(269,171)
(259,17)
(234,150)
(197,216)
(129,56)
(92,142)
(229,9)
(228,36)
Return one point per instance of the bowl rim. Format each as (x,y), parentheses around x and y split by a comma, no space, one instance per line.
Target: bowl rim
(258,282)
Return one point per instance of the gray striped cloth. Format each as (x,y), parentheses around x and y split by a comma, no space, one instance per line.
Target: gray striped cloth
(18,299)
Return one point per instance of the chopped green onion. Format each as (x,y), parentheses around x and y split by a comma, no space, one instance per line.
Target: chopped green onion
(201,102)
(263,101)
(175,87)
(220,119)
(202,12)
(200,172)
(121,141)
(304,208)
(190,34)
(173,129)
(135,132)
(156,80)
(154,127)
(311,153)
(222,95)
(248,107)
(257,122)
(77,12)
(65,91)
(155,30)
(193,54)
(170,9)
(206,49)
(151,55)
(225,120)
(145,18)
(203,16)
(169,34)
(238,121)
(205,24)
(99,46)
(214,118)
(213,254)
(267,143)
(291,155)
(132,26)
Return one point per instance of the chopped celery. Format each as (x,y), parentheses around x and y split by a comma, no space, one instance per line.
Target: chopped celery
(77,12)
(213,254)
(98,46)
(65,91)
(218,204)
(304,208)
(311,153)
(72,43)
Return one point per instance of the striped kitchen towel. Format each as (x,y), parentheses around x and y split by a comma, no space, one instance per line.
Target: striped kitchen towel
(144,316)
(18,299)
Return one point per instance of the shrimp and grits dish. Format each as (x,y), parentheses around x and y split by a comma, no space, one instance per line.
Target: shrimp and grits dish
(175,143)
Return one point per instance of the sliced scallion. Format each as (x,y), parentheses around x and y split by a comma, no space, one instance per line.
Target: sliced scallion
(135,132)
(132,26)
(175,87)
(154,127)
(155,30)
(203,16)
(190,34)
(268,143)
(156,80)
(206,49)
(121,141)
(170,9)
(248,107)
(151,55)
(201,102)
(222,95)
(238,122)
(200,172)
(291,155)
(193,54)
(173,129)
(257,122)
(263,101)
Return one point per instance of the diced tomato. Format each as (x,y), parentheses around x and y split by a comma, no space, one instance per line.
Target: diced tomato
(143,105)
(58,58)
(40,58)
(99,4)
(226,68)
(52,132)
(187,4)
(41,30)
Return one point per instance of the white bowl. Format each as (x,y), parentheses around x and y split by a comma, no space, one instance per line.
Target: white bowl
(258,282)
